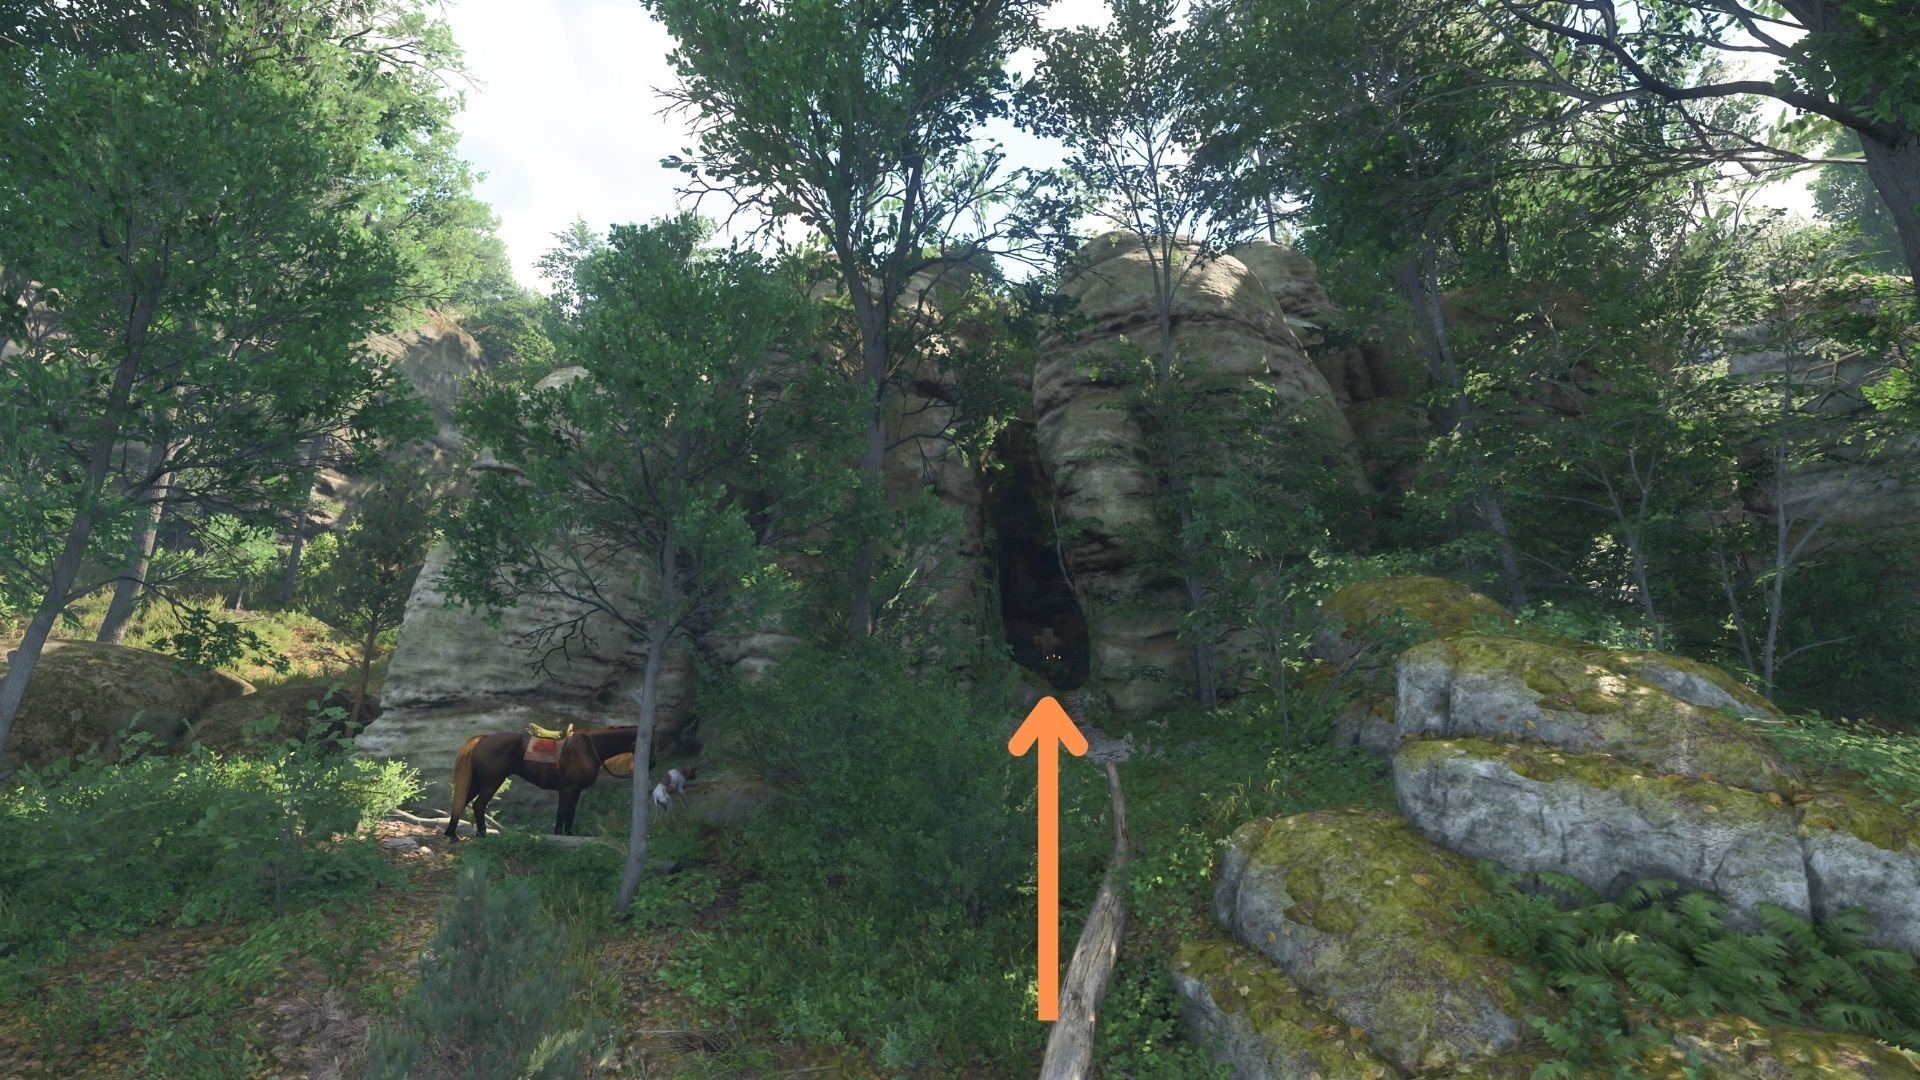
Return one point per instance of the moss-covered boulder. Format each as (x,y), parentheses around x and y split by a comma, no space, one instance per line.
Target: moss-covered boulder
(1863,852)
(1388,614)
(1368,723)
(225,726)
(1358,909)
(1236,1003)
(85,693)
(1605,821)
(1735,1047)
(1685,678)
(1510,688)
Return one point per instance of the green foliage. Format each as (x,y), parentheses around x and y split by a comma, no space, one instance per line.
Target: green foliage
(203,639)
(1654,953)
(1844,196)
(237,553)
(364,588)
(1140,1031)
(493,996)
(890,867)
(107,849)
(1888,763)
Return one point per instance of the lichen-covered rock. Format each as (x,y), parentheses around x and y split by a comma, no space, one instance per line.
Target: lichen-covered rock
(224,726)
(1360,910)
(1363,613)
(1607,822)
(1863,852)
(1368,723)
(1504,687)
(453,675)
(1238,1006)
(1229,327)
(85,693)
(1687,679)
(1739,1049)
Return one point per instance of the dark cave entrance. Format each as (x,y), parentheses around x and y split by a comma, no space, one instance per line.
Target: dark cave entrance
(1039,615)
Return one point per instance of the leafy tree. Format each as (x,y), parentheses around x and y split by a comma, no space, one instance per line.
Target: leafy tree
(1845,197)
(364,590)
(1121,100)
(183,232)
(648,489)
(1258,526)
(1846,62)
(859,121)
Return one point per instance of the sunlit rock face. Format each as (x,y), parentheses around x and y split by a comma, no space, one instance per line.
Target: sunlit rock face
(1227,323)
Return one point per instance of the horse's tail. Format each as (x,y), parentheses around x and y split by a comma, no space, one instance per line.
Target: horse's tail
(462,782)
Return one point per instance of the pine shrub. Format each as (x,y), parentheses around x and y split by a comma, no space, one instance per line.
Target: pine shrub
(493,994)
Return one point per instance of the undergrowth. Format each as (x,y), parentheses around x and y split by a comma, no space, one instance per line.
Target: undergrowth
(1657,953)
(96,850)
(1888,764)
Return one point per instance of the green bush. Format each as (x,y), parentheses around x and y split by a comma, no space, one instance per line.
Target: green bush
(106,849)
(1889,764)
(493,994)
(895,867)
(1656,952)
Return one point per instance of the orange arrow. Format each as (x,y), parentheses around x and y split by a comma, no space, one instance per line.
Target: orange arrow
(1049,727)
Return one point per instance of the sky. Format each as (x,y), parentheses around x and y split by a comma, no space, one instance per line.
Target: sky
(563,118)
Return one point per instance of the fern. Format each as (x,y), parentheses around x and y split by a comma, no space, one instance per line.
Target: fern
(1660,952)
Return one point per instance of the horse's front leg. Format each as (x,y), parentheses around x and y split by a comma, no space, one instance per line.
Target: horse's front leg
(569,801)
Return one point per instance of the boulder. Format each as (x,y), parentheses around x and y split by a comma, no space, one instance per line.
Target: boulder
(454,675)
(1579,700)
(223,726)
(1605,821)
(1368,723)
(1736,1048)
(1863,852)
(85,693)
(1360,910)
(1388,614)
(1229,326)
(1247,1014)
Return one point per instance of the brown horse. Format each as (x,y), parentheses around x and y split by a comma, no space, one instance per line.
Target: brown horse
(485,762)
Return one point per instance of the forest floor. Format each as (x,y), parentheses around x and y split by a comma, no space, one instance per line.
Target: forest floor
(296,997)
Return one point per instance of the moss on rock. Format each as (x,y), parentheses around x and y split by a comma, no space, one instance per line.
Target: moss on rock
(1448,607)
(1734,1046)
(84,693)
(1361,910)
(1261,1021)
(1508,687)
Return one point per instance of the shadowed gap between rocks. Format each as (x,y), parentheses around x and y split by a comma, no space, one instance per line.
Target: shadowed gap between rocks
(1042,620)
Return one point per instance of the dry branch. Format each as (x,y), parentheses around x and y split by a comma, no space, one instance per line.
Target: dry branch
(1070,1046)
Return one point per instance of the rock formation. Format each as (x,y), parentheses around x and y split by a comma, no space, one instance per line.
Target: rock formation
(1343,954)
(1227,322)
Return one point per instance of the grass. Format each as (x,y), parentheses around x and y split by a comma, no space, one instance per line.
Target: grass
(315,653)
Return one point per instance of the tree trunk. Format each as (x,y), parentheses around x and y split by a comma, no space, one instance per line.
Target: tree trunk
(1894,168)
(648,698)
(1070,1044)
(66,569)
(873,349)
(366,673)
(291,582)
(1494,507)
(1733,601)
(126,591)
(1205,682)
(658,639)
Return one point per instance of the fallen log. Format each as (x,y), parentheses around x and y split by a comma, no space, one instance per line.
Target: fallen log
(1070,1045)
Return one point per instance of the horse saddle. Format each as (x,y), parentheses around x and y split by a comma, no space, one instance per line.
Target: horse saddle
(543,744)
